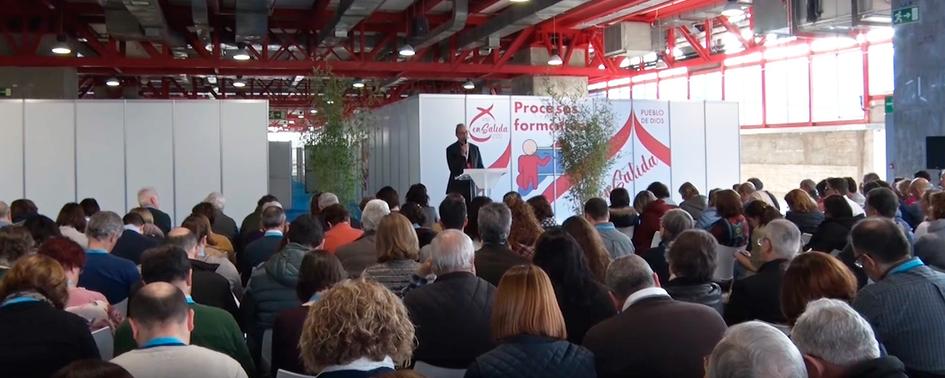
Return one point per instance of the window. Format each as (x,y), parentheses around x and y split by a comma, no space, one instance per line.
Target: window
(787,92)
(837,90)
(706,87)
(622,93)
(674,89)
(743,85)
(881,69)
(645,91)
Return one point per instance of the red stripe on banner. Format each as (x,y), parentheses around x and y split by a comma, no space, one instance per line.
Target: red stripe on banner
(652,144)
(563,183)
(503,161)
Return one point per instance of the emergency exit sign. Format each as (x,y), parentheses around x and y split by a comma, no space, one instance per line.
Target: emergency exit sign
(276,114)
(905,15)
(6,92)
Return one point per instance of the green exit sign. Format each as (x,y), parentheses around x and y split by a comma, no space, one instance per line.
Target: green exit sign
(276,114)
(889,104)
(6,92)
(905,15)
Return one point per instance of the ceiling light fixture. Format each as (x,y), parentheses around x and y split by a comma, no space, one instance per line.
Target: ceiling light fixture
(239,83)
(732,9)
(313,111)
(112,82)
(518,1)
(555,59)
(241,53)
(469,85)
(301,116)
(61,47)
(407,50)
(358,83)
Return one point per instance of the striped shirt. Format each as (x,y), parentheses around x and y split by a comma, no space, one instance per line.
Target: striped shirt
(395,275)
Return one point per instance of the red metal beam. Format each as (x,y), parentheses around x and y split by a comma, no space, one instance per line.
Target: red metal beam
(703,53)
(734,30)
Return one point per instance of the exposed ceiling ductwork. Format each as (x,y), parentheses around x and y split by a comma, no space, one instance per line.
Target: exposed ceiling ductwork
(348,15)
(198,10)
(451,27)
(139,20)
(252,19)
(515,19)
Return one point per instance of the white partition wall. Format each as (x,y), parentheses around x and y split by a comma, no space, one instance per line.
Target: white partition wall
(49,153)
(58,151)
(11,150)
(722,144)
(100,163)
(149,146)
(687,137)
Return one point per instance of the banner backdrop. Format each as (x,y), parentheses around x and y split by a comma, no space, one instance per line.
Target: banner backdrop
(515,132)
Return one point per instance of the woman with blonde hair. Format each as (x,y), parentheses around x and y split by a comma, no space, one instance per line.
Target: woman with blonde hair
(530,331)
(397,254)
(149,229)
(39,337)
(803,211)
(525,227)
(596,255)
(357,329)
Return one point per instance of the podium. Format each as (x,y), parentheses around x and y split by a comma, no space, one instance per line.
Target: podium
(483,178)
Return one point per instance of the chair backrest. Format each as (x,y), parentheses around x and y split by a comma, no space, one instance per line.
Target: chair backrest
(122,308)
(288,374)
(805,238)
(104,340)
(266,355)
(428,370)
(626,231)
(724,263)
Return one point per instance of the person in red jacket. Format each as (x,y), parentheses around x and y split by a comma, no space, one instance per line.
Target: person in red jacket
(650,219)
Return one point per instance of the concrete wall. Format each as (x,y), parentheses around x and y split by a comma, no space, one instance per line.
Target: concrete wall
(782,158)
(920,86)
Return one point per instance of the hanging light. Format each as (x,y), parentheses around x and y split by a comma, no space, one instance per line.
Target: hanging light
(241,53)
(469,85)
(301,116)
(239,83)
(61,47)
(555,59)
(518,1)
(407,50)
(732,9)
(112,82)
(601,67)
(358,83)
(313,111)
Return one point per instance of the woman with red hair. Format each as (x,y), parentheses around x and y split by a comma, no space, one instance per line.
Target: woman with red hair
(91,305)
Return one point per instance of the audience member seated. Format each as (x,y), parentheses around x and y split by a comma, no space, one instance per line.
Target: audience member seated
(525,227)
(148,198)
(209,327)
(583,300)
(149,229)
(219,242)
(617,243)
(811,276)
(39,337)
(925,203)
(397,253)
(731,231)
(691,266)
(206,260)
(755,349)
(272,287)
(106,273)
(758,296)
(359,310)
(417,218)
(200,225)
(935,224)
(623,214)
(90,305)
(418,195)
(340,233)
(222,223)
(880,203)
(162,322)
(710,215)
(41,228)
(15,242)
(320,270)
(389,194)
(809,187)
(905,303)
(654,335)
(837,342)
(531,332)
(362,253)
(452,314)
(853,192)
(640,201)
(672,224)
(71,221)
(693,202)
(759,214)
(495,257)
(839,186)
(832,234)
(92,369)
(543,212)
(251,228)
(912,197)
(209,287)
(452,217)
(803,211)
(592,246)
(21,209)
(472,225)
(650,217)
(132,243)
(5,215)
(89,206)
(273,222)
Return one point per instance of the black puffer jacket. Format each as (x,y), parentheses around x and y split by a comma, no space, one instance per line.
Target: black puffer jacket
(883,367)
(692,291)
(624,217)
(529,356)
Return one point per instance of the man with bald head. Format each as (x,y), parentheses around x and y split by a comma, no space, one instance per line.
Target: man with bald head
(459,156)
(209,287)
(161,322)
(644,339)
(210,327)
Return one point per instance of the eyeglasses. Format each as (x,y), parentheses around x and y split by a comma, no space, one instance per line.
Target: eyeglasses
(857,263)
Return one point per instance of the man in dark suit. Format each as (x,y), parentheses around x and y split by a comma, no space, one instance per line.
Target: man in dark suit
(260,250)
(132,242)
(148,198)
(758,297)
(459,156)
(654,335)
(495,256)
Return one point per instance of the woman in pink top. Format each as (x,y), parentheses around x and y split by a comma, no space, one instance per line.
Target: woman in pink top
(340,232)
(91,305)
